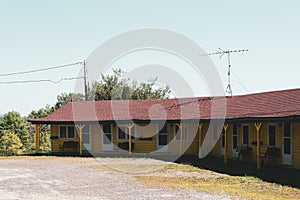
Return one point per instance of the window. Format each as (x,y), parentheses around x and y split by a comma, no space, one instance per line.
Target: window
(287,139)
(106,128)
(122,135)
(177,132)
(163,135)
(272,135)
(163,129)
(234,136)
(246,134)
(67,132)
(123,132)
(107,133)
(223,138)
(215,131)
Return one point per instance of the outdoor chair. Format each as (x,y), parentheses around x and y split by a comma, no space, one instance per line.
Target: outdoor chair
(271,155)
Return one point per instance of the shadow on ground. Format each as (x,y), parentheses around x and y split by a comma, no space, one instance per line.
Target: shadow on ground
(270,173)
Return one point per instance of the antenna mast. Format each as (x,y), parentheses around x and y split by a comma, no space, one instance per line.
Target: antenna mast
(85,81)
(228,52)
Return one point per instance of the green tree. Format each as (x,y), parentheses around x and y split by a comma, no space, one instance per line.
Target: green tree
(115,87)
(111,87)
(15,123)
(65,98)
(10,144)
(45,129)
(147,91)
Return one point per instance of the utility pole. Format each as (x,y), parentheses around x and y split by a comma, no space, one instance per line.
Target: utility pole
(85,81)
(228,52)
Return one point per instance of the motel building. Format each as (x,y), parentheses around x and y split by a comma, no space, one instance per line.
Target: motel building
(259,128)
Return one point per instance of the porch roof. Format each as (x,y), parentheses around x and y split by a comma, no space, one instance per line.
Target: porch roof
(284,104)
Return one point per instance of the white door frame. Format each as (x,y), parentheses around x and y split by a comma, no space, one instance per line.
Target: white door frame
(88,146)
(287,159)
(110,146)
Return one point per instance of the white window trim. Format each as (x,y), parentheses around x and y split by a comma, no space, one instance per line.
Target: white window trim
(168,126)
(126,135)
(276,139)
(111,132)
(291,138)
(67,136)
(111,129)
(242,131)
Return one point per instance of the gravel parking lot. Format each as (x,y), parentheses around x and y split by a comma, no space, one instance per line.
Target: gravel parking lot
(85,178)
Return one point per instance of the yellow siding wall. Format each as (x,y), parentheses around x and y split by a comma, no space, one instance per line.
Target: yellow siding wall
(191,144)
(295,128)
(296,144)
(96,138)
(56,143)
(145,131)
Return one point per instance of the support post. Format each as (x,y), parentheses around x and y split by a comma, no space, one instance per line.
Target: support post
(37,137)
(181,137)
(225,142)
(80,128)
(257,127)
(200,135)
(129,126)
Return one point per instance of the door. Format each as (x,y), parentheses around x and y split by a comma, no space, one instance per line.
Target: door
(86,138)
(287,144)
(223,142)
(163,139)
(107,138)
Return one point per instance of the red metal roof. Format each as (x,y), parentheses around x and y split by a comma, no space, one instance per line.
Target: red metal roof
(277,104)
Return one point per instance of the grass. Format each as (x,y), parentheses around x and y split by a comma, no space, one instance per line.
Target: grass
(269,173)
(234,186)
(236,179)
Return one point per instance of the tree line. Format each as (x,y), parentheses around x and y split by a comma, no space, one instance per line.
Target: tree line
(17,134)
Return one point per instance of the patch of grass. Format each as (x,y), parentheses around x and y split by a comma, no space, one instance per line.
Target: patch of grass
(235,186)
(13,157)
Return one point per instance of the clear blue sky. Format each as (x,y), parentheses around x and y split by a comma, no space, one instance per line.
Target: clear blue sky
(37,34)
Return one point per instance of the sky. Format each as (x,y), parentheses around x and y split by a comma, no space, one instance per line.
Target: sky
(38,34)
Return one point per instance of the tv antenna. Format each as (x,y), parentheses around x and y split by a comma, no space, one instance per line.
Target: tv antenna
(222,53)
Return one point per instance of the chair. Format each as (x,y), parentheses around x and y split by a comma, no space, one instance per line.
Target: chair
(271,155)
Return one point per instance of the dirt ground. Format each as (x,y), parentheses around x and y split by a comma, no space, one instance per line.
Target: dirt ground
(86,178)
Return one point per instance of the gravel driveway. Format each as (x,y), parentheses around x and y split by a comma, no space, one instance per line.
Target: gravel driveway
(84,178)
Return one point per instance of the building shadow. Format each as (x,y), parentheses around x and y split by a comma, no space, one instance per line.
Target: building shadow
(271,173)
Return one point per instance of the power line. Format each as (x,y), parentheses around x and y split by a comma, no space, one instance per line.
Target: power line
(240,82)
(42,80)
(40,70)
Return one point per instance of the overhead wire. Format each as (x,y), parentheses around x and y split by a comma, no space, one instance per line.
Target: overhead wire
(240,82)
(40,70)
(42,80)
